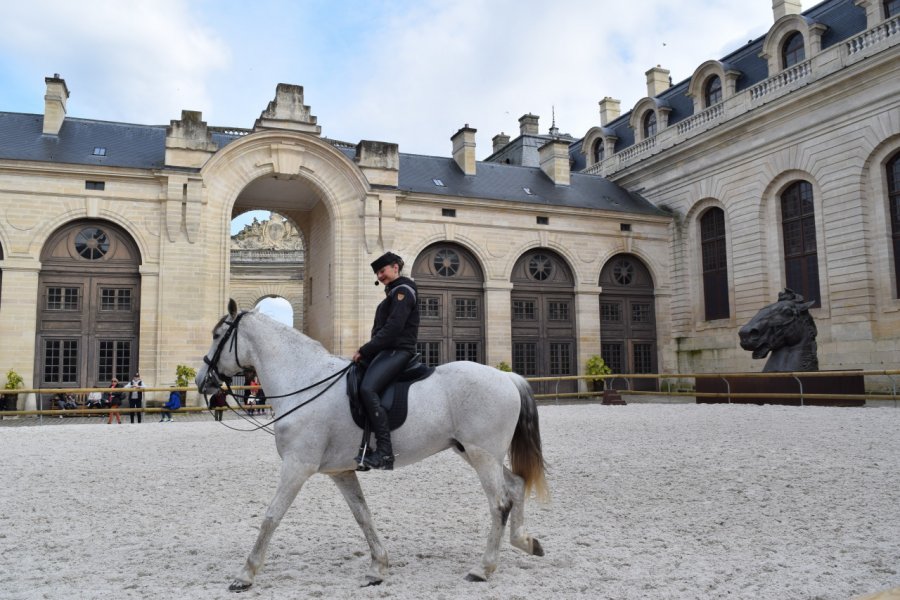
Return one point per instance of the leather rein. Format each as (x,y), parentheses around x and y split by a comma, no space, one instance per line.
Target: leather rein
(213,372)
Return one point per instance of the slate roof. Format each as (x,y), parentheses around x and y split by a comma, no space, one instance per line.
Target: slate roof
(495,181)
(143,147)
(843,20)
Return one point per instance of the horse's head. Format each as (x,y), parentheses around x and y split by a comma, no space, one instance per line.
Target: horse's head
(221,363)
(784,323)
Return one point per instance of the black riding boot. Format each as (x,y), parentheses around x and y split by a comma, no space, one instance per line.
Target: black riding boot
(383,457)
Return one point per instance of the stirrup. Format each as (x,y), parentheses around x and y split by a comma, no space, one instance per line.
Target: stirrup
(379,462)
(360,460)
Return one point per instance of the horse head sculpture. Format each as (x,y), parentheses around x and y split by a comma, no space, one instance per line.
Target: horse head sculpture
(787,330)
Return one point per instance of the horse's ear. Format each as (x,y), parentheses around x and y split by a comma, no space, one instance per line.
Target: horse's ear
(806,305)
(232,308)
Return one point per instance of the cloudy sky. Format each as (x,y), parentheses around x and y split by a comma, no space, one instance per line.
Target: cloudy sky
(408,72)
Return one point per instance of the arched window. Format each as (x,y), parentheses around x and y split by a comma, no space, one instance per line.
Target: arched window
(893,181)
(649,124)
(792,51)
(712,91)
(597,151)
(798,224)
(891,8)
(715,264)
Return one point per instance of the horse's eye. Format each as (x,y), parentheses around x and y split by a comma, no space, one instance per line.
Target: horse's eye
(217,336)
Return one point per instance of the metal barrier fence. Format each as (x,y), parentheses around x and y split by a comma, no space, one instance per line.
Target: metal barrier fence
(674,385)
(683,384)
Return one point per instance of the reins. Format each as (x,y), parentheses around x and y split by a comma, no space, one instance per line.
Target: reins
(212,367)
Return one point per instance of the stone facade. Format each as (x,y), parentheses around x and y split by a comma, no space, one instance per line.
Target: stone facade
(832,120)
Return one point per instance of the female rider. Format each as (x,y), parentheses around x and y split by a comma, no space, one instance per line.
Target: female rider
(393,343)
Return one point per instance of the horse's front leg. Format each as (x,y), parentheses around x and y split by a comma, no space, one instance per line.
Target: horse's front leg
(293,475)
(348,483)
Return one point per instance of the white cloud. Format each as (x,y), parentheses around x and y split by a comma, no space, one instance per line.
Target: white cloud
(409,73)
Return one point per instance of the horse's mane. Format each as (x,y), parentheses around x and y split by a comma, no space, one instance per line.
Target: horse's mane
(290,332)
(809,360)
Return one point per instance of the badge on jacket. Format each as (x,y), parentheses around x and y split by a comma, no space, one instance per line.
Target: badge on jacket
(401,296)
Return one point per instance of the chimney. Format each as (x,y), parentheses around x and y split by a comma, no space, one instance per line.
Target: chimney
(781,8)
(554,158)
(464,149)
(528,124)
(55,104)
(500,140)
(610,109)
(657,81)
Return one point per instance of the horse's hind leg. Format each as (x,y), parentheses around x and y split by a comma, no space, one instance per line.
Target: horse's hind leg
(518,537)
(293,476)
(490,473)
(348,483)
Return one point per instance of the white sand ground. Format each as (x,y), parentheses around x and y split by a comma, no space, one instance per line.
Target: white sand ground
(649,501)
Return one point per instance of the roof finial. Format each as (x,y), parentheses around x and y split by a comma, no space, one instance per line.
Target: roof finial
(554,130)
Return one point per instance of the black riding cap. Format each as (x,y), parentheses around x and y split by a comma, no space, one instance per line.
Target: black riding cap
(388,258)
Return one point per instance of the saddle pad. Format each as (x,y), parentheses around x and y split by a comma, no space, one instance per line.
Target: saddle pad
(394,399)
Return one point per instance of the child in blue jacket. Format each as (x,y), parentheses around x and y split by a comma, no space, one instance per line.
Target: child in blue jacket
(174,403)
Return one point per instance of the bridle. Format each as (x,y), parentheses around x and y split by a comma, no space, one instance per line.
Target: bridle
(212,363)
(212,371)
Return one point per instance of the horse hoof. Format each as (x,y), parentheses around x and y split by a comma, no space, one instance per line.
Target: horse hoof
(239,586)
(370,581)
(536,547)
(473,577)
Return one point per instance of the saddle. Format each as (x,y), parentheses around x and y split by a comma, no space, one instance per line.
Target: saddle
(393,399)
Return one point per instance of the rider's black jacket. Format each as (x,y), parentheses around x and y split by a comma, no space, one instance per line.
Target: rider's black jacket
(396,320)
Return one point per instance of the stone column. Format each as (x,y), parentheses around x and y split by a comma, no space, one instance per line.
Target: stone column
(587,316)
(498,328)
(18,322)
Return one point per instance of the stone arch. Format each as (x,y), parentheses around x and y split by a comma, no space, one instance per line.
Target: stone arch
(628,341)
(878,213)
(544,329)
(727,74)
(781,30)
(336,195)
(639,112)
(771,232)
(450,281)
(88,306)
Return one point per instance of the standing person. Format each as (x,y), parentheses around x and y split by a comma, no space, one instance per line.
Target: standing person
(174,403)
(115,401)
(392,345)
(218,402)
(135,396)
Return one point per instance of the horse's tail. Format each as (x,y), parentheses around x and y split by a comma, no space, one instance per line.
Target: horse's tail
(525,454)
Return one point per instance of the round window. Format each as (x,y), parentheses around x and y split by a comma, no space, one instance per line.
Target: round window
(623,272)
(446,262)
(92,243)
(540,267)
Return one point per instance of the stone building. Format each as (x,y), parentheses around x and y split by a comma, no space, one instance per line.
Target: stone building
(780,165)
(649,240)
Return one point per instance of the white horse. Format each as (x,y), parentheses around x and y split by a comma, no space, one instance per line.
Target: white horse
(480,412)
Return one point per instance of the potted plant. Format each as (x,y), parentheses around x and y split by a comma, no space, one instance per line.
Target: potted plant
(597,366)
(13,382)
(184,375)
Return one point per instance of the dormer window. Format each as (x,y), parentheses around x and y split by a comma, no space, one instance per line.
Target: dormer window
(891,8)
(649,128)
(792,52)
(712,91)
(597,151)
